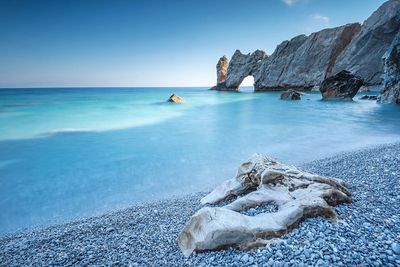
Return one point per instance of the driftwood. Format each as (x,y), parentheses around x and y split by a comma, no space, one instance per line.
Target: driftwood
(260,181)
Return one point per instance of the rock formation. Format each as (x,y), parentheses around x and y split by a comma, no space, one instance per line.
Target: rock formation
(260,181)
(304,62)
(240,66)
(391,91)
(363,57)
(342,86)
(222,69)
(291,95)
(176,99)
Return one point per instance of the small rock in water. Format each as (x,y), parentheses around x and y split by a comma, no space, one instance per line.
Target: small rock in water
(291,95)
(176,99)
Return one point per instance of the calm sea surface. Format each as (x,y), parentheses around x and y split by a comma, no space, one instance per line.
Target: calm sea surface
(66,153)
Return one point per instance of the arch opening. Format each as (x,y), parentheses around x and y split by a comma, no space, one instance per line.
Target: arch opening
(247,84)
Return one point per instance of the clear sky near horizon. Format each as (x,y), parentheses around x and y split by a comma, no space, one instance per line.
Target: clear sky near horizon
(150,42)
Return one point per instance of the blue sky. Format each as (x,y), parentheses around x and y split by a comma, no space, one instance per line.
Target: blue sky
(150,43)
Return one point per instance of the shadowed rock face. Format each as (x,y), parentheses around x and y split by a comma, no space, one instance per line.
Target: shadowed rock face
(304,62)
(391,91)
(363,57)
(274,66)
(240,66)
(342,86)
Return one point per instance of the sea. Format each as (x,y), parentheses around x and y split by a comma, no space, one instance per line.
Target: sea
(68,153)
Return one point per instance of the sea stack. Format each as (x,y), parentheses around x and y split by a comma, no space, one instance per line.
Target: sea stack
(222,69)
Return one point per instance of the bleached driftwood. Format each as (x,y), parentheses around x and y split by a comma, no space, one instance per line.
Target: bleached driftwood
(260,181)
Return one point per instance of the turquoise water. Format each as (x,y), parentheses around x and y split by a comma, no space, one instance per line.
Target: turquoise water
(66,153)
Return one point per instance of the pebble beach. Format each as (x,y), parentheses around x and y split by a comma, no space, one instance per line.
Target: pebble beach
(367,232)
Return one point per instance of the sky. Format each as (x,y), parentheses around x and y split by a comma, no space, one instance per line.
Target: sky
(63,43)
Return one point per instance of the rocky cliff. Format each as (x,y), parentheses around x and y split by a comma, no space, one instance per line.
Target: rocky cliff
(305,61)
(391,91)
(363,57)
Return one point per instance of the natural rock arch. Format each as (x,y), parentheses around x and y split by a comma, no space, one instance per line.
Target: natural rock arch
(230,74)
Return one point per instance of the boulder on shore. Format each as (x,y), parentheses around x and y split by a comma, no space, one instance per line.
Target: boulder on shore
(176,99)
(260,181)
(291,95)
(342,86)
(391,91)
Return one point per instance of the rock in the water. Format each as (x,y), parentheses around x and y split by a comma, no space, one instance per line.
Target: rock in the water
(260,181)
(240,66)
(391,91)
(304,61)
(176,99)
(291,95)
(363,56)
(342,86)
(369,97)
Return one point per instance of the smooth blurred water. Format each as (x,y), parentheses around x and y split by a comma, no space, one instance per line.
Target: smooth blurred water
(66,153)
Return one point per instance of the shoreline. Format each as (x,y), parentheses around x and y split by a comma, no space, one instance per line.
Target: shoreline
(144,234)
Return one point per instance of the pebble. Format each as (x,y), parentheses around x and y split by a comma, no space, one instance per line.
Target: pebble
(396,248)
(245,258)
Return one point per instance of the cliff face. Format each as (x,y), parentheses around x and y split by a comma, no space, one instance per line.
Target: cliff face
(275,66)
(391,91)
(240,66)
(363,56)
(304,61)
